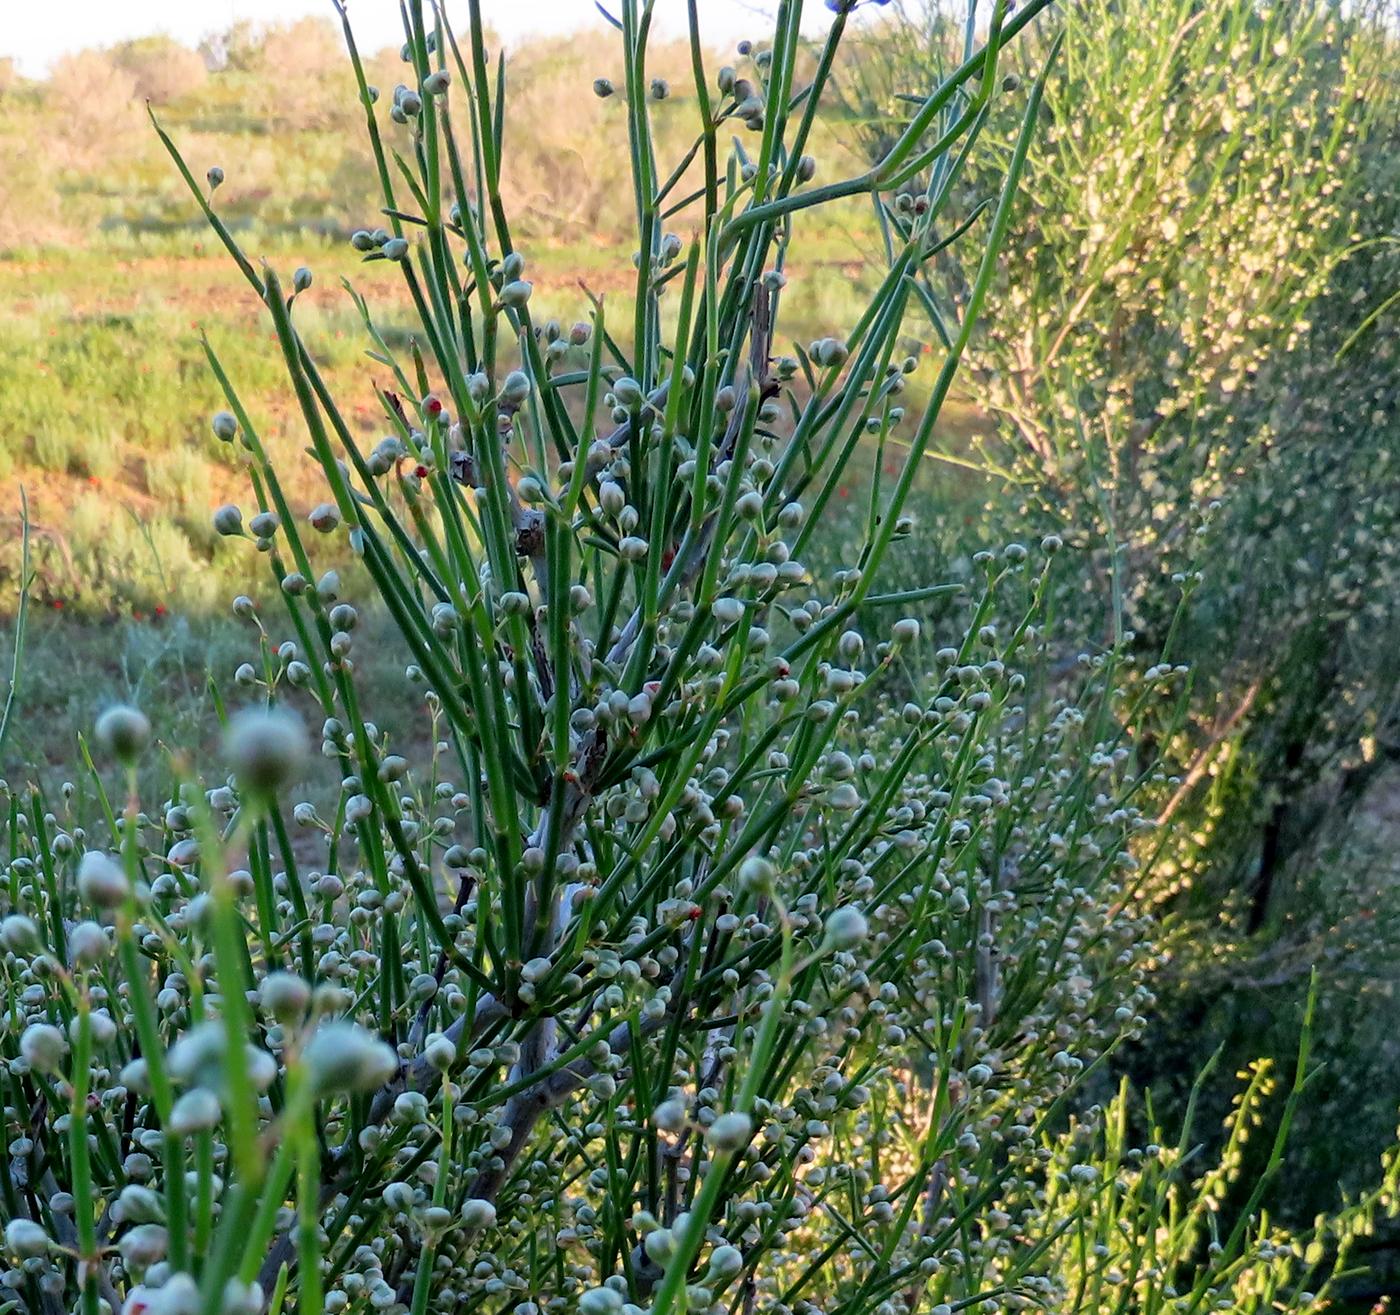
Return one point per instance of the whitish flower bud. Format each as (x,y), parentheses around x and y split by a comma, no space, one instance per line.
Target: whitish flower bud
(477,1213)
(628,392)
(750,506)
(266,749)
(301,279)
(87,943)
(228,520)
(757,874)
(730,1132)
(602,88)
(43,1047)
(669,1116)
(806,169)
(26,1239)
(516,293)
(600,1301)
(727,611)
(437,82)
(144,1245)
(101,882)
(342,1057)
(19,933)
(196,1111)
(224,425)
(325,517)
(285,996)
(138,1205)
(516,388)
(215,175)
(123,731)
(660,89)
(905,630)
(396,248)
(845,928)
(363,240)
(440,1053)
(725,1263)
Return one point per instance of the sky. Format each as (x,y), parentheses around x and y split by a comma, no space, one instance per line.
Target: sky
(30,34)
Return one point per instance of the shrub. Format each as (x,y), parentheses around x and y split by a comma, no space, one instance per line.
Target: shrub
(604,988)
(162,69)
(92,108)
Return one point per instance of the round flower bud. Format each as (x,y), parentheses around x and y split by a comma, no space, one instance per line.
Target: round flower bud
(101,882)
(396,248)
(43,1047)
(26,1239)
(228,520)
(266,748)
(905,630)
(224,425)
(144,1245)
(325,517)
(845,928)
(196,1111)
(301,279)
(477,1213)
(437,82)
(669,1116)
(87,943)
(215,175)
(757,874)
(516,293)
(729,1133)
(516,388)
(285,996)
(600,1301)
(123,731)
(19,933)
(660,89)
(343,1057)
(725,1262)
(602,88)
